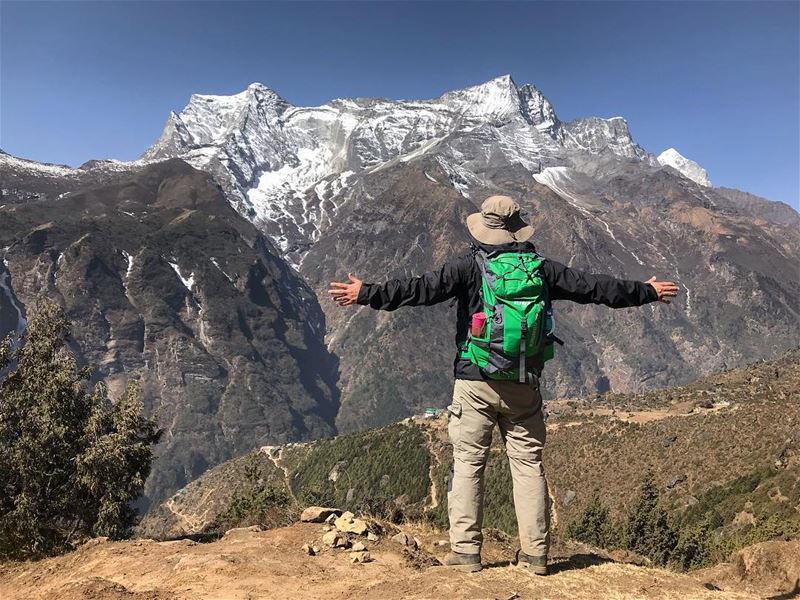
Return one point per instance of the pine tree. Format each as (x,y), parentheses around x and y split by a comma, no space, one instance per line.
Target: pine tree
(649,532)
(594,526)
(71,462)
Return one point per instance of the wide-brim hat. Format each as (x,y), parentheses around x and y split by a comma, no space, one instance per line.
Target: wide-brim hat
(499,222)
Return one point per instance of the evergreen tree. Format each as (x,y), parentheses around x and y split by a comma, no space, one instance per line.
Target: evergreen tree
(648,531)
(594,526)
(71,462)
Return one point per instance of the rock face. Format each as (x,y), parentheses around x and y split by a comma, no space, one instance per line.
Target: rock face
(164,282)
(380,188)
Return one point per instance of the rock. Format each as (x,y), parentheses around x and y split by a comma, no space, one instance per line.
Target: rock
(385,480)
(348,515)
(683,408)
(416,543)
(243,530)
(569,497)
(318,514)
(401,538)
(334,539)
(675,480)
(744,518)
(308,550)
(331,518)
(771,567)
(360,557)
(358,547)
(350,495)
(441,543)
(405,540)
(315,549)
(704,403)
(669,440)
(337,470)
(372,537)
(350,525)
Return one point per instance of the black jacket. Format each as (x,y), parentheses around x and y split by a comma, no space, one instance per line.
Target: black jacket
(460,278)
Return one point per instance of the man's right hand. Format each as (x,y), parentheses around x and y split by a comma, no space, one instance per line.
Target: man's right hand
(664,289)
(345,294)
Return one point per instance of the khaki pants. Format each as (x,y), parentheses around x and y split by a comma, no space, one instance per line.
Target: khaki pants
(517,409)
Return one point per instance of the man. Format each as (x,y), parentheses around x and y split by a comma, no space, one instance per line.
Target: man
(504,335)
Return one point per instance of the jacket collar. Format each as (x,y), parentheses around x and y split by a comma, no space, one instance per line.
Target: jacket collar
(526,246)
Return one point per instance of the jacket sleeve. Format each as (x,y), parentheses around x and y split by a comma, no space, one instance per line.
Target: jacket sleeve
(588,288)
(430,288)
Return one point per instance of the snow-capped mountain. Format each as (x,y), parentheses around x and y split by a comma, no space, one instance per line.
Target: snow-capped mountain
(287,167)
(687,168)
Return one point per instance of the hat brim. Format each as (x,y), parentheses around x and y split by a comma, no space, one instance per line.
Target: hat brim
(518,231)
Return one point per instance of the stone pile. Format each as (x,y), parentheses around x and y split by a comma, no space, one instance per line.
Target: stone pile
(341,530)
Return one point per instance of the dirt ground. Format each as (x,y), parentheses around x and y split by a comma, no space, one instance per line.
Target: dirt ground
(251,564)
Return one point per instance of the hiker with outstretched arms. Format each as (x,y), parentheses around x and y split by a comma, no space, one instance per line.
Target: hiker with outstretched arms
(504,336)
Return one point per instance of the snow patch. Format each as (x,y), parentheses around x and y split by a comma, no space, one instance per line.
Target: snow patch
(221,270)
(188,282)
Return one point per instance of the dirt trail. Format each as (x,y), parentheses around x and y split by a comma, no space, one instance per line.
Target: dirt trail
(275,453)
(248,564)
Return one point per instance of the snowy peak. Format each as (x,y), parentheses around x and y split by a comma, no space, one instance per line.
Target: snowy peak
(210,120)
(538,111)
(497,99)
(687,168)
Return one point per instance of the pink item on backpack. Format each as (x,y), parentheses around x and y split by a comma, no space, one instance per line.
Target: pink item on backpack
(478,325)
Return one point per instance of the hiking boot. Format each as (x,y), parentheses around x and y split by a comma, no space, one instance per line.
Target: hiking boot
(470,563)
(536,564)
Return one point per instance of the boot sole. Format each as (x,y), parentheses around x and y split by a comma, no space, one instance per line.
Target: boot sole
(541,571)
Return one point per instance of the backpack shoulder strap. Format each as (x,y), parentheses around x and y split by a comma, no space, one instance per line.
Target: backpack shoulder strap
(482,258)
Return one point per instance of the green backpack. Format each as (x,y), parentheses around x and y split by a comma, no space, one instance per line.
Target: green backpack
(516,339)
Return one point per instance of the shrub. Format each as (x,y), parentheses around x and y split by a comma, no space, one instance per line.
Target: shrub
(594,526)
(71,462)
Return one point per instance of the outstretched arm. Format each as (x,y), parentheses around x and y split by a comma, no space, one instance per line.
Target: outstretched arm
(589,288)
(430,288)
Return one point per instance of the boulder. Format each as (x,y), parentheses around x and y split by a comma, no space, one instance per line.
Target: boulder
(358,547)
(337,470)
(360,557)
(318,514)
(350,525)
(372,537)
(334,539)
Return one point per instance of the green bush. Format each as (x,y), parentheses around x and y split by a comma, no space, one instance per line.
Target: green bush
(595,526)
(71,462)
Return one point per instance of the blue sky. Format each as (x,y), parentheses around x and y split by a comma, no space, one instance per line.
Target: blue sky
(716,80)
